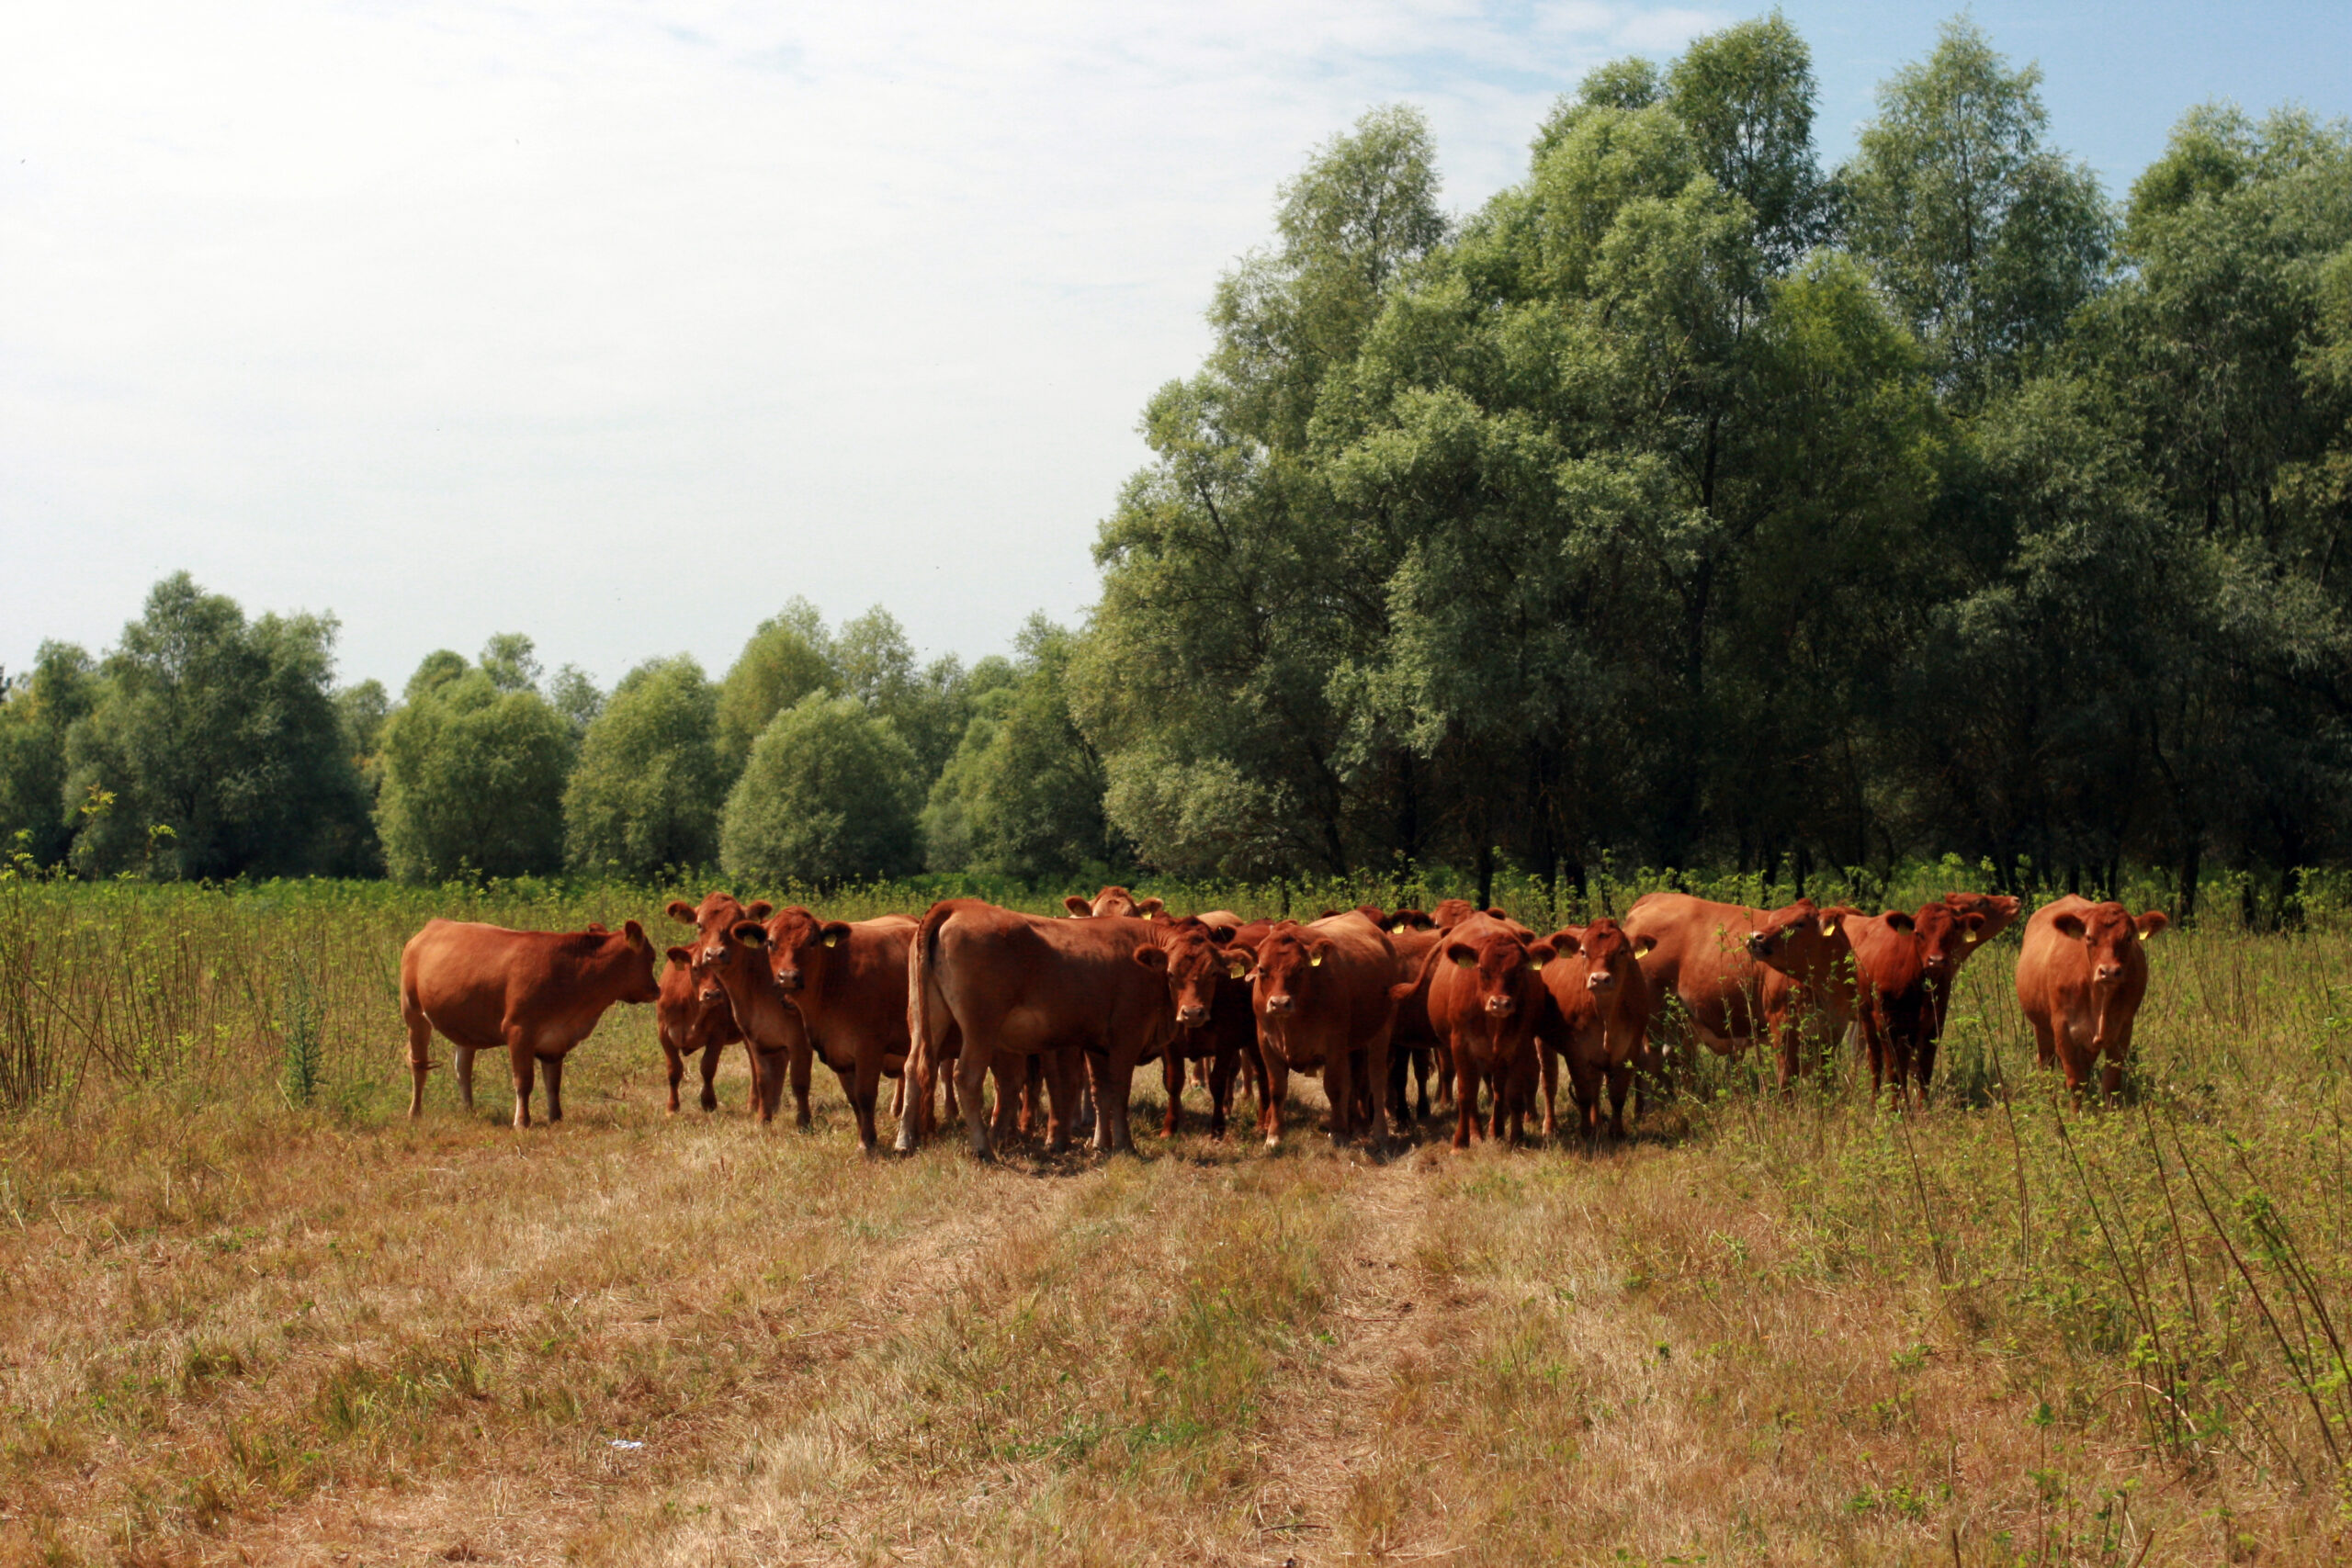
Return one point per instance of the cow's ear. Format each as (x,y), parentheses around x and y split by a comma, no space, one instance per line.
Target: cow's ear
(1644,945)
(2068,926)
(1219,935)
(684,957)
(636,934)
(751,933)
(1151,956)
(834,932)
(1462,955)
(1565,940)
(1239,959)
(1829,923)
(1976,924)
(1541,954)
(1897,920)
(1495,913)
(759,909)
(1078,905)
(681,911)
(2151,923)
(1317,953)
(1151,905)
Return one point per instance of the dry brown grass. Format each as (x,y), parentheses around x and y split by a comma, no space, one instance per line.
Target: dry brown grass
(1767,1332)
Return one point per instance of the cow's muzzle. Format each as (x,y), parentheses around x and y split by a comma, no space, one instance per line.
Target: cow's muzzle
(788,979)
(2107,974)
(1192,1015)
(1278,1004)
(1600,981)
(1501,1007)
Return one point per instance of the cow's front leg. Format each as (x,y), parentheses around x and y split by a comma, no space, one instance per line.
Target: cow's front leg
(710,1075)
(1221,1071)
(1171,1079)
(462,1058)
(802,1065)
(520,1063)
(1270,1114)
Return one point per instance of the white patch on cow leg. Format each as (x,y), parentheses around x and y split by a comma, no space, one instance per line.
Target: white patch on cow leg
(464,1057)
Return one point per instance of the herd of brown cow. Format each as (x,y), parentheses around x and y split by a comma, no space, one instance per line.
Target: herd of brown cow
(1061,1012)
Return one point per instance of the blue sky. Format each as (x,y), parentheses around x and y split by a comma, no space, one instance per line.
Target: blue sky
(620,324)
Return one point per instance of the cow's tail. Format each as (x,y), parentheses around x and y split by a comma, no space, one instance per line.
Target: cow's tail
(922,1050)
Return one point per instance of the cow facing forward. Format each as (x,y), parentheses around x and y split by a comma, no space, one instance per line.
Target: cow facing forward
(2081,974)
(537,994)
(1485,1001)
(1599,1020)
(692,1017)
(1321,995)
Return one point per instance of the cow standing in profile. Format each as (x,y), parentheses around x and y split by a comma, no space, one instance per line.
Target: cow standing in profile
(1741,973)
(537,994)
(2081,976)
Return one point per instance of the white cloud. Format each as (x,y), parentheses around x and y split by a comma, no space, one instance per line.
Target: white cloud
(619,326)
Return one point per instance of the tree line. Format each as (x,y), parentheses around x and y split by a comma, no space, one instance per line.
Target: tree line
(1690,502)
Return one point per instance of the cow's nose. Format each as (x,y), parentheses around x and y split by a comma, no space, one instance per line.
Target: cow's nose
(1278,1004)
(1501,1007)
(1194,1016)
(1600,981)
(2107,972)
(788,979)
(1757,945)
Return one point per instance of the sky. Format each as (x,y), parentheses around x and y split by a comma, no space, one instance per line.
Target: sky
(620,325)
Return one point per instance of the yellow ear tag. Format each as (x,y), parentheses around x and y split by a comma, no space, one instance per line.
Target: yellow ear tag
(1829,925)
(1466,964)
(834,939)
(1314,960)
(1397,928)
(1235,971)
(1535,964)
(2143,936)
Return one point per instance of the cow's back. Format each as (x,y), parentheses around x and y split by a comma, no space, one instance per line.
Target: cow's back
(467,976)
(1701,946)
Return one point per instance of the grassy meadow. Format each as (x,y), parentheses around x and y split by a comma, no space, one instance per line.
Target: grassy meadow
(249,1314)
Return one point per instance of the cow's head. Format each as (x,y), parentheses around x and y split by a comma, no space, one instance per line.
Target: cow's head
(1946,937)
(1498,964)
(800,946)
(1998,911)
(1399,920)
(1194,957)
(2108,934)
(1452,912)
(1609,956)
(1288,957)
(1794,939)
(1112,900)
(646,986)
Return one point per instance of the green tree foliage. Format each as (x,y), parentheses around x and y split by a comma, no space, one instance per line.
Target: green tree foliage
(219,742)
(788,657)
(37,711)
(474,761)
(646,792)
(828,794)
(1023,797)
(1986,239)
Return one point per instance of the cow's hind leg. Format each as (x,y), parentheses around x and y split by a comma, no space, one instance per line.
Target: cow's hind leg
(803,1063)
(461,1058)
(971,1076)
(420,1053)
(1221,1071)
(674,1063)
(551,1076)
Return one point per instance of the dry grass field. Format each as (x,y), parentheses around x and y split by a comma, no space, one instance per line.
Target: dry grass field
(250,1315)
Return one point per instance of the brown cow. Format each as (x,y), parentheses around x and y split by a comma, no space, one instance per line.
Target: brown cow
(765,1018)
(1996,912)
(1112,900)
(1018,985)
(1890,998)
(693,1017)
(1486,999)
(1218,1028)
(848,983)
(537,993)
(1599,1020)
(1733,990)
(1415,1051)
(2080,977)
(1321,995)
